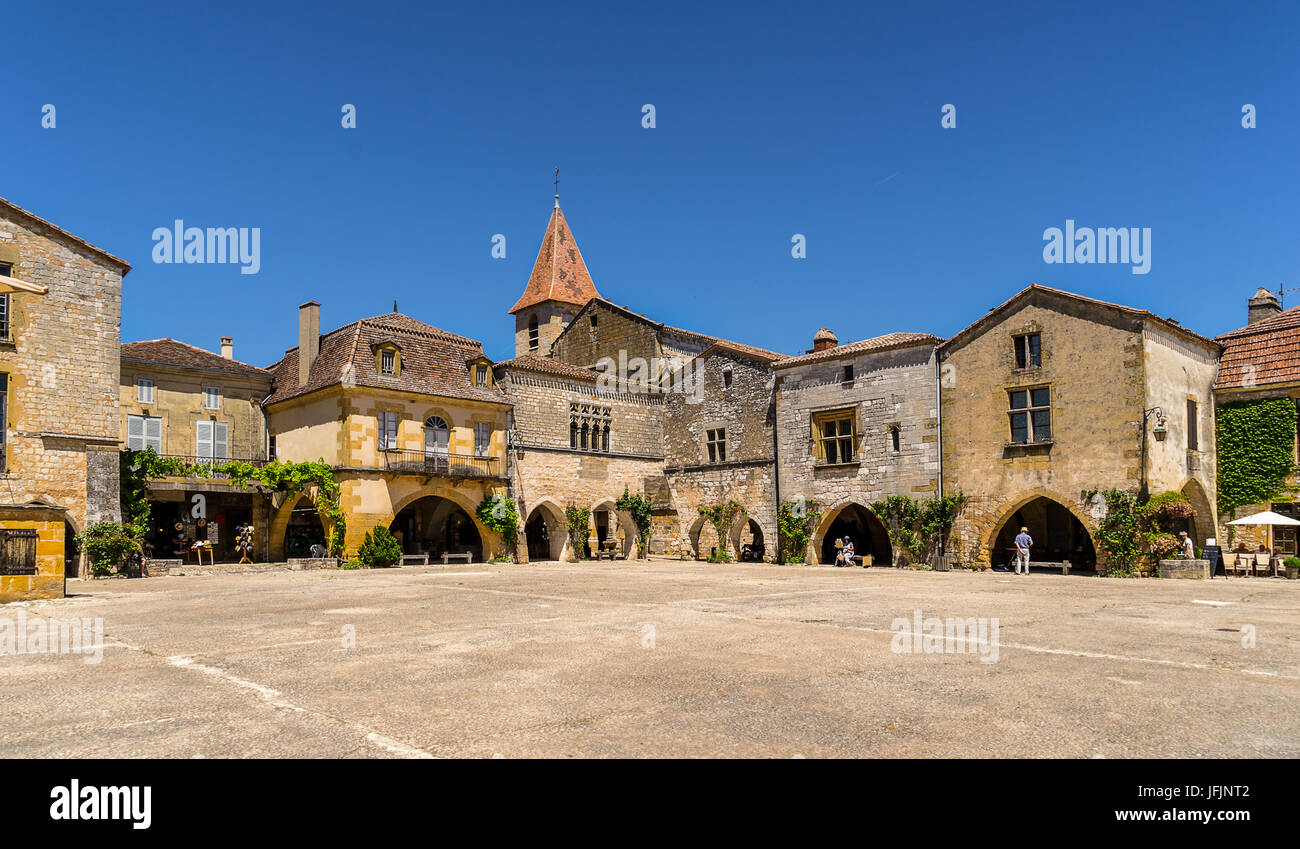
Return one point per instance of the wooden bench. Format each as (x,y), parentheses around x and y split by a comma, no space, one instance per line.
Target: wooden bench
(462,556)
(421,559)
(1063,565)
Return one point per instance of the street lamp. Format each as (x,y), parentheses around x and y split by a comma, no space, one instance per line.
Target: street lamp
(1159,431)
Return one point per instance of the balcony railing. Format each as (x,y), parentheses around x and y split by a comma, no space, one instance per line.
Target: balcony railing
(443,465)
(200,462)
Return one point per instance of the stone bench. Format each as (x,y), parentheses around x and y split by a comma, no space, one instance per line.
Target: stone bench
(415,559)
(1194,570)
(298,564)
(462,556)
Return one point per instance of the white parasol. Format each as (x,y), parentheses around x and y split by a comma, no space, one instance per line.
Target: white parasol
(1268,517)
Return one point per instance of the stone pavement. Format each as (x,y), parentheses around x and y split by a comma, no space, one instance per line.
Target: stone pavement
(658,658)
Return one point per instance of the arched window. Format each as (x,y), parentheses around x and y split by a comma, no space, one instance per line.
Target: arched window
(573,434)
(532,334)
(604,439)
(895,439)
(585,433)
(436,435)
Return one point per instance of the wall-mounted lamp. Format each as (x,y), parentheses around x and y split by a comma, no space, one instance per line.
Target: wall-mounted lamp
(1159,431)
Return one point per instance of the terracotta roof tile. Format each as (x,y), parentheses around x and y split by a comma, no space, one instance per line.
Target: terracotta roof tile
(1265,352)
(433,361)
(876,343)
(559,274)
(548,365)
(172,352)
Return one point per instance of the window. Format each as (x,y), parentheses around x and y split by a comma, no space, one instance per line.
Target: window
(212,397)
(1193,437)
(143,391)
(387,431)
(211,440)
(4,422)
(18,551)
(144,432)
(589,427)
(272,448)
(716,441)
(593,328)
(437,436)
(1029,350)
(848,373)
(387,362)
(1031,415)
(533,339)
(895,439)
(482,438)
(480,375)
(4,306)
(726,379)
(835,438)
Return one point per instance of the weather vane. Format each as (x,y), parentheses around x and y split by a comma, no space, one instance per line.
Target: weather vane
(557,187)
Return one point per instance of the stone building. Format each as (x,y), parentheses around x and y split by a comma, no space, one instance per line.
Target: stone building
(60,326)
(410,418)
(1053,396)
(197,406)
(857,423)
(1261,362)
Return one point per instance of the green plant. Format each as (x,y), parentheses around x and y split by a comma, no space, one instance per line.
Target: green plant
(351,564)
(1292,563)
(497,512)
(938,514)
(108,545)
(577,520)
(1119,534)
(1255,443)
(379,549)
(795,522)
(140,467)
(722,514)
(901,517)
(640,507)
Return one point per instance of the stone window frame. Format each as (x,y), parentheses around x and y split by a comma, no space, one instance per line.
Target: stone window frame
(447,419)
(381,430)
(534,333)
(1193,424)
(485,422)
(1026,333)
(1028,410)
(894,431)
(818,438)
(143,383)
(6,307)
(388,348)
(715,444)
(208,392)
(589,427)
(215,425)
(728,378)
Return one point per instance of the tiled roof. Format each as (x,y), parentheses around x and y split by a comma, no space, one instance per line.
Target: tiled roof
(743,350)
(559,274)
(876,343)
(548,365)
(1265,352)
(172,352)
(99,252)
(433,361)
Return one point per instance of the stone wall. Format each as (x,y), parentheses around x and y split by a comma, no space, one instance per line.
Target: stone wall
(179,401)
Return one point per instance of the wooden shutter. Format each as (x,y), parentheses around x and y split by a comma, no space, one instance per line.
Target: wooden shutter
(153,433)
(135,440)
(203,439)
(220,442)
(816,449)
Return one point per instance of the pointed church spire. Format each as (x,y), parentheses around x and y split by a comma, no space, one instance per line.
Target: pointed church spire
(559,274)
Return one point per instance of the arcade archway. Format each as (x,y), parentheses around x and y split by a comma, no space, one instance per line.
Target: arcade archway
(435,526)
(860,525)
(1057,533)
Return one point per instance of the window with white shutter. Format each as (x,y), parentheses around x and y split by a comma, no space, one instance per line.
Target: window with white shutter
(143,391)
(482,438)
(203,440)
(153,433)
(220,441)
(144,432)
(212,397)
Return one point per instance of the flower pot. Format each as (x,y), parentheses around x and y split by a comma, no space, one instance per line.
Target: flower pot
(1292,573)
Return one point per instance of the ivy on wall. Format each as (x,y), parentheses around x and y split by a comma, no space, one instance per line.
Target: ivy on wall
(140,467)
(1256,445)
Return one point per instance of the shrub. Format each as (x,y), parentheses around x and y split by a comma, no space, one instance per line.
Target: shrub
(379,549)
(577,520)
(795,520)
(721,515)
(640,507)
(498,513)
(108,545)
(1292,563)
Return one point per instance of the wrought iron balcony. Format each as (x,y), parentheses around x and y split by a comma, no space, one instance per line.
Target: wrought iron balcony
(408,462)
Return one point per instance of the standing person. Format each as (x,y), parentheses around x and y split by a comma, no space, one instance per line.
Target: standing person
(1024,542)
(1186,544)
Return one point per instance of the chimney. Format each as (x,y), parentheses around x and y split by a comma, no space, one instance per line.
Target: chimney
(824,339)
(308,339)
(227,347)
(1264,305)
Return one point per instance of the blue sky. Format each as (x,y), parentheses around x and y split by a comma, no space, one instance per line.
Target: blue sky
(772,120)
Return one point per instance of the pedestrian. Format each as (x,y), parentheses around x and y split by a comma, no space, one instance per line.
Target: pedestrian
(848,552)
(1187,546)
(1023,543)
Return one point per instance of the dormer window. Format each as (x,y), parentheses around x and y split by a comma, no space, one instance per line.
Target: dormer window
(480,376)
(480,372)
(387,362)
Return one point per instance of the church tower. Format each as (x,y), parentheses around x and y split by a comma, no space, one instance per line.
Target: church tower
(558,288)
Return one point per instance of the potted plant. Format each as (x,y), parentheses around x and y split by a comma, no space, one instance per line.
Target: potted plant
(1292,565)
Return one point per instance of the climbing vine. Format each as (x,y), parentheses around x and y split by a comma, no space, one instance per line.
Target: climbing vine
(722,515)
(1256,441)
(640,507)
(795,522)
(140,467)
(1136,535)
(497,511)
(577,519)
(919,527)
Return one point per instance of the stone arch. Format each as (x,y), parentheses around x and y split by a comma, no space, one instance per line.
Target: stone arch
(701,536)
(1204,524)
(281,519)
(746,529)
(451,494)
(556,526)
(625,524)
(434,524)
(1004,514)
(880,549)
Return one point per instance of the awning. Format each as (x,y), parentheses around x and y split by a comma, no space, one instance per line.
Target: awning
(1268,517)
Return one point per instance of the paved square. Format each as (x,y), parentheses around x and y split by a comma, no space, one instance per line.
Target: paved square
(658,659)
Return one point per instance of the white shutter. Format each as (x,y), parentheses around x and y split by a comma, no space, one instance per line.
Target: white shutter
(153,433)
(212,397)
(203,439)
(134,433)
(220,444)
